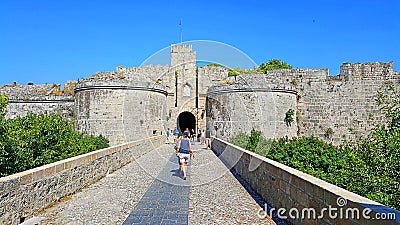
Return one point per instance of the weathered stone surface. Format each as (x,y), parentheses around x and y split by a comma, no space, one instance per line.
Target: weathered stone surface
(291,189)
(133,102)
(150,190)
(39,98)
(21,200)
(250,104)
(121,110)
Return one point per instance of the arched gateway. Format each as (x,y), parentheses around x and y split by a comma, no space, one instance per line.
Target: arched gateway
(186,120)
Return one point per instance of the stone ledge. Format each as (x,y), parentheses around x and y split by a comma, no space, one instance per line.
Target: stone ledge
(303,190)
(24,193)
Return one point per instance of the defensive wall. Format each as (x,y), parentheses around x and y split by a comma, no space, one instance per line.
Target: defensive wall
(37,99)
(334,108)
(26,193)
(337,108)
(133,102)
(250,103)
(120,107)
(306,199)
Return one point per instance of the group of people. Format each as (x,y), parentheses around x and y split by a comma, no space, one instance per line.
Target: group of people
(200,136)
(183,146)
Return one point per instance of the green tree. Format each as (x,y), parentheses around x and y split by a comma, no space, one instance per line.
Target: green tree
(274,64)
(382,153)
(253,140)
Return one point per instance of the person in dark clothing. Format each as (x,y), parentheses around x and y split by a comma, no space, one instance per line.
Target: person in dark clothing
(184,152)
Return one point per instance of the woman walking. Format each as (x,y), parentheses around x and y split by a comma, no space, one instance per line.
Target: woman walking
(184,152)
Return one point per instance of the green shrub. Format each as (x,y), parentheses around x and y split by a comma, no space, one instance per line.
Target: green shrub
(274,64)
(35,140)
(254,139)
(370,168)
(289,117)
(360,169)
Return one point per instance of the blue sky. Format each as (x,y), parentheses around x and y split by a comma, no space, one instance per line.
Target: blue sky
(47,41)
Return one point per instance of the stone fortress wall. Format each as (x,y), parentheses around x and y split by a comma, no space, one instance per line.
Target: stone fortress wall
(134,102)
(338,108)
(334,108)
(129,104)
(120,107)
(39,98)
(152,72)
(250,103)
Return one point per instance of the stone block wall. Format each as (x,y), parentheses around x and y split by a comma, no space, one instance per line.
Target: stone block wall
(366,71)
(294,191)
(209,76)
(337,108)
(38,99)
(294,75)
(152,72)
(120,109)
(340,110)
(334,108)
(63,106)
(250,103)
(24,194)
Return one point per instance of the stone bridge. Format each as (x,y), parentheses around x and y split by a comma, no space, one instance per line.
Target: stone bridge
(138,183)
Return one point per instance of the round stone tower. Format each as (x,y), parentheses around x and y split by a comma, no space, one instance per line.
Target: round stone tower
(122,107)
(251,103)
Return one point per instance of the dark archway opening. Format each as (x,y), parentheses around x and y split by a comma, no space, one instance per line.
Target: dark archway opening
(186,120)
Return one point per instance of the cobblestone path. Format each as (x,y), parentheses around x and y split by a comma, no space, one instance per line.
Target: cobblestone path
(166,201)
(151,191)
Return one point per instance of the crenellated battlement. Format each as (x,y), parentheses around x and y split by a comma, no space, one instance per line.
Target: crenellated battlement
(366,71)
(39,98)
(38,91)
(179,48)
(213,72)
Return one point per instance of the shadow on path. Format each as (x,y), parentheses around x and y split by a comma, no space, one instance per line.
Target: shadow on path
(166,201)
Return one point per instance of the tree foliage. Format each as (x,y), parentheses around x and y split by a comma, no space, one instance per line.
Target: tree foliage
(36,140)
(274,64)
(3,104)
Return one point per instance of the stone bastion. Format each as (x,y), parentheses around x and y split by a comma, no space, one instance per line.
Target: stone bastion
(251,102)
(120,107)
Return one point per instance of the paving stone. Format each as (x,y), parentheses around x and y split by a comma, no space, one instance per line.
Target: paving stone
(150,191)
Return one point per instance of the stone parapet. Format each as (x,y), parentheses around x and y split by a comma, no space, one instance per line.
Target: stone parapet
(300,73)
(120,84)
(24,194)
(35,92)
(290,191)
(367,71)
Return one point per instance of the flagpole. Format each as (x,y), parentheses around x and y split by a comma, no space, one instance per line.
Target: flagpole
(180,25)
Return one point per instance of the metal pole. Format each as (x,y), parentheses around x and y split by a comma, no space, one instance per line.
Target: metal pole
(180,25)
